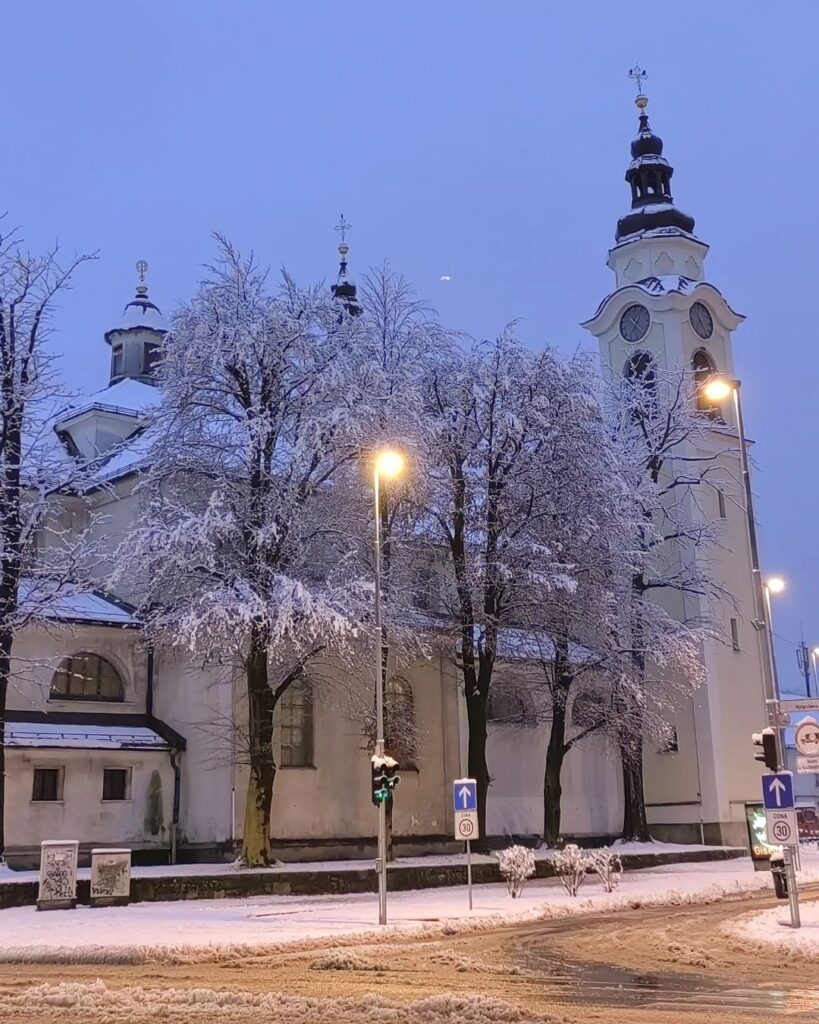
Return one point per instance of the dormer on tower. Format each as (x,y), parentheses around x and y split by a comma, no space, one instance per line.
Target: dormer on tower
(344,290)
(136,344)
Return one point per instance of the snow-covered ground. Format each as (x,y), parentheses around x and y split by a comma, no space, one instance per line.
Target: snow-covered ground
(167,931)
(437,860)
(772,929)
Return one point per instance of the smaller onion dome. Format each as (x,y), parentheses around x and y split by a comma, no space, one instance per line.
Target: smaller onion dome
(345,288)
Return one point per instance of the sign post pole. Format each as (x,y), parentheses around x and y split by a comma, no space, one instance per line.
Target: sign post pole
(465,800)
(783,829)
(469,870)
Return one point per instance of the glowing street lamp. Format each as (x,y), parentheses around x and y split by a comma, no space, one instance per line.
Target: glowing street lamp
(718,388)
(775,584)
(387,465)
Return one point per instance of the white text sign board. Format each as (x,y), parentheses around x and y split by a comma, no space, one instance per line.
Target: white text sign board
(782,828)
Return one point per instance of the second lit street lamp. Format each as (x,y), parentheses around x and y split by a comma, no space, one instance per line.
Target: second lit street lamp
(387,465)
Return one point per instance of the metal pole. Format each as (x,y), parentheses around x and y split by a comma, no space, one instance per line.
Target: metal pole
(769,675)
(788,852)
(381,864)
(469,870)
(762,599)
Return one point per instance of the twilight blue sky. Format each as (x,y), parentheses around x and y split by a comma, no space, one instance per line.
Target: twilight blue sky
(459,137)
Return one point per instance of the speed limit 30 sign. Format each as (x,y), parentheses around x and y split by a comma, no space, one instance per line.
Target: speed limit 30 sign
(465,800)
(783,828)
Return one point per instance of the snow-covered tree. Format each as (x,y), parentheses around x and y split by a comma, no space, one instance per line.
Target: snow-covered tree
(395,333)
(252,506)
(669,462)
(496,417)
(41,559)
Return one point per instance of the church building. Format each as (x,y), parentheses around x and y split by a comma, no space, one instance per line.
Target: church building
(112,742)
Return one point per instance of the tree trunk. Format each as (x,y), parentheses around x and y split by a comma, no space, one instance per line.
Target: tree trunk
(261,703)
(552,786)
(476,757)
(635,821)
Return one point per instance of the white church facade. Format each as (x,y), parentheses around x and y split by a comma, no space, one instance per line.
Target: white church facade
(112,742)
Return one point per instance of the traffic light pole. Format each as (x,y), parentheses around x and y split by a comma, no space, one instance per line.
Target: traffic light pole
(762,600)
(381,863)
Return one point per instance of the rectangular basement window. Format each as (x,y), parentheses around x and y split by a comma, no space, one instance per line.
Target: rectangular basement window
(47,785)
(116,784)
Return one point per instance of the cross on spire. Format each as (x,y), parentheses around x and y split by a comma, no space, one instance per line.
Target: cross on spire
(343,227)
(638,75)
(141,268)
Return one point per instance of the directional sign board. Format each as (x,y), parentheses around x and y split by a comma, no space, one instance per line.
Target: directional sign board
(780,816)
(465,800)
(799,704)
(777,791)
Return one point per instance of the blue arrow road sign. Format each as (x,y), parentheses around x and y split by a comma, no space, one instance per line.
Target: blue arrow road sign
(777,791)
(465,794)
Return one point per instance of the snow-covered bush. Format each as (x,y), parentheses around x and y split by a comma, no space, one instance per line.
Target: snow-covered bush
(571,864)
(608,866)
(516,864)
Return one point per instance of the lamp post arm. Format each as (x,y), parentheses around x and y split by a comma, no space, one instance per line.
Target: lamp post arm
(762,599)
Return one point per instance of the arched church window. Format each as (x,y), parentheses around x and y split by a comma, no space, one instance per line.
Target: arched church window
(640,368)
(704,368)
(87,676)
(296,724)
(400,728)
(641,374)
(509,706)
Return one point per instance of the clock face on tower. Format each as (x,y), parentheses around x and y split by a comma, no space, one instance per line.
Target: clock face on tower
(634,322)
(701,321)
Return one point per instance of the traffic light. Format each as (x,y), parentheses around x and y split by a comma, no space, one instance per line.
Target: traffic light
(384,778)
(766,741)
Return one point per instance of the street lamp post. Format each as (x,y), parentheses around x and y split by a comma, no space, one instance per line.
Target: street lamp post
(386,465)
(718,388)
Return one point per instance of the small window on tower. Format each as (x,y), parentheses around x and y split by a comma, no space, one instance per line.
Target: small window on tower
(723,513)
(151,357)
(704,368)
(669,744)
(117,361)
(735,634)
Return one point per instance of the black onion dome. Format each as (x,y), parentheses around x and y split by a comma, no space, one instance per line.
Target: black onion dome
(345,288)
(649,175)
(646,142)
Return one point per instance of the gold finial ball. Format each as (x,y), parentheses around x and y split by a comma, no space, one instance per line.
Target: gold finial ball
(641,102)
(343,249)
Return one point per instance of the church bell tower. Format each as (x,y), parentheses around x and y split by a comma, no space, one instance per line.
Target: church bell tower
(664,312)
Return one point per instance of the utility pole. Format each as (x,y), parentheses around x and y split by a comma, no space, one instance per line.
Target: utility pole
(803,657)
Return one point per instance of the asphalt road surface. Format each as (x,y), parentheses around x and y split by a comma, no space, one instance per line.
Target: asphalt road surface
(654,966)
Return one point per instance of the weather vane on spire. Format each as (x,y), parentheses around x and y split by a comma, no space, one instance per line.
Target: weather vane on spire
(343,227)
(638,75)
